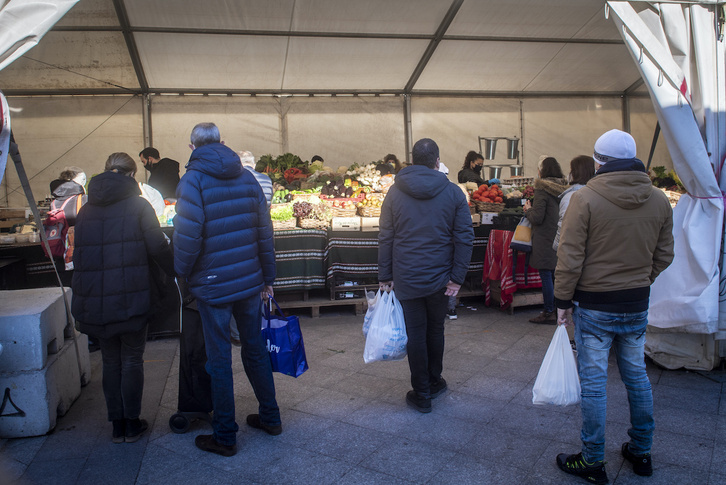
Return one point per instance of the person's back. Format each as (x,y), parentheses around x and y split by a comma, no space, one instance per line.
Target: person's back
(616,239)
(428,212)
(424,248)
(233,224)
(224,248)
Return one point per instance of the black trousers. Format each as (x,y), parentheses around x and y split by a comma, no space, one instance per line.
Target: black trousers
(123,373)
(425,328)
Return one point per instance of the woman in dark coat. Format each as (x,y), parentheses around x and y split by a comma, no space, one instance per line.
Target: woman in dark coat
(471,171)
(544,213)
(116,234)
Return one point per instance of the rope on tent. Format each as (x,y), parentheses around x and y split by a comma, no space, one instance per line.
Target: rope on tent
(652,145)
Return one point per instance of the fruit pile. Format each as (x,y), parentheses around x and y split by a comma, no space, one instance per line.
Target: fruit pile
(528,192)
(370,202)
(344,204)
(486,194)
(306,210)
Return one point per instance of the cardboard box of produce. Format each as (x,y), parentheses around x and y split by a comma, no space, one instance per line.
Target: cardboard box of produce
(369,224)
(346,224)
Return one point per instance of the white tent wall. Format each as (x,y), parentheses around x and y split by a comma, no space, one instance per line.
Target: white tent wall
(344,129)
(55,132)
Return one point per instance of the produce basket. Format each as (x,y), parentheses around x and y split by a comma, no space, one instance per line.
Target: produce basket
(369,211)
(341,211)
(313,223)
(488,206)
(282,225)
(305,197)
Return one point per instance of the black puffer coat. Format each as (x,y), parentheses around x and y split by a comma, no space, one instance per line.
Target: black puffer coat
(116,233)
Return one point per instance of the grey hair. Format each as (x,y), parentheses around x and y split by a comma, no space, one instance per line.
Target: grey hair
(121,163)
(247,158)
(205,134)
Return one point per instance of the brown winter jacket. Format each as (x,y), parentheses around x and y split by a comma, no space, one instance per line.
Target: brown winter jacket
(544,215)
(616,239)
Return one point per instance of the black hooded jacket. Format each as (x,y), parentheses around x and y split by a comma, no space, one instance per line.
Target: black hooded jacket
(116,233)
(426,235)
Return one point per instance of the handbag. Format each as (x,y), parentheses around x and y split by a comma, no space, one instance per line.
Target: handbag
(522,239)
(386,339)
(557,381)
(284,341)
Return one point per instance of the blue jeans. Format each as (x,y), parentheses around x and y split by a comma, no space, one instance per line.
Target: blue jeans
(595,333)
(215,322)
(425,330)
(123,373)
(548,289)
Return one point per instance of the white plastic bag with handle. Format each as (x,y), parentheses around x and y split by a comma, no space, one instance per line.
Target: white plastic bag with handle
(386,339)
(557,381)
(373,298)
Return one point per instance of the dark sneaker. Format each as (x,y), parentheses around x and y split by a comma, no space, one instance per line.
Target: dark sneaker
(119,430)
(576,465)
(134,429)
(545,318)
(438,388)
(420,404)
(255,421)
(642,464)
(452,314)
(206,442)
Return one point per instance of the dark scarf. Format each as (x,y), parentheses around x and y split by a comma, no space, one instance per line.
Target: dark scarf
(622,165)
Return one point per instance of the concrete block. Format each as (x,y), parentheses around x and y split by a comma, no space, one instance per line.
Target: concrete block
(31,327)
(32,400)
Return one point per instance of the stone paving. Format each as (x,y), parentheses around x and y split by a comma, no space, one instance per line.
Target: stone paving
(346,422)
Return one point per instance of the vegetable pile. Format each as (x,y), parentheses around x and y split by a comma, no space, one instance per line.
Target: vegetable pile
(486,194)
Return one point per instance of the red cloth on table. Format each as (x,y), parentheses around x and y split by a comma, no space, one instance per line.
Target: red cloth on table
(498,266)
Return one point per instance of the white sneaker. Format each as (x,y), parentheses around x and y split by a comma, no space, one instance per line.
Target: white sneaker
(452,314)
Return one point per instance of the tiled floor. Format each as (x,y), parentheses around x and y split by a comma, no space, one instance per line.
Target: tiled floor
(346,422)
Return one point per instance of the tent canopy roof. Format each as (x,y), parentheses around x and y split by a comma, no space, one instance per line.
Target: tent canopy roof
(449,47)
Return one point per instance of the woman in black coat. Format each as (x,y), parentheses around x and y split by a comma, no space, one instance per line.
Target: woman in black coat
(543,213)
(116,234)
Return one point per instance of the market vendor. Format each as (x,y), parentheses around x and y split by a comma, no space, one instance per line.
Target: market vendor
(164,171)
(471,171)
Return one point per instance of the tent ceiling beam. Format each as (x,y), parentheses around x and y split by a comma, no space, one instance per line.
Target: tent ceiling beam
(342,35)
(443,27)
(123,19)
(321,93)
(630,90)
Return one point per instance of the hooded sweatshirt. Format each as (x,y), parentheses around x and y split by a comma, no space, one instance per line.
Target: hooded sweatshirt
(616,239)
(223,239)
(426,235)
(116,233)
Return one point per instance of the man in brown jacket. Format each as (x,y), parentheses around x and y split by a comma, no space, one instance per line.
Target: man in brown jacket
(616,239)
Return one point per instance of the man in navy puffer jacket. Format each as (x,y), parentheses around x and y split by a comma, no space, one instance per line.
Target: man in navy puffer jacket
(424,249)
(223,246)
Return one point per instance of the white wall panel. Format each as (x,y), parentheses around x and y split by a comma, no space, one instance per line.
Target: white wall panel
(344,130)
(485,66)
(245,123)
(361,64)
(565,128)
(642,127)
(196,61)
(530,18)
(53,133)
(73,60)
(456,124)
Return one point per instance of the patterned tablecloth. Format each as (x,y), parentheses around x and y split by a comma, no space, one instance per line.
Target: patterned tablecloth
(299,255)
(500,264)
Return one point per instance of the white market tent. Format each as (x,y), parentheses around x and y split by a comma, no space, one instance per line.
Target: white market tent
(354,80)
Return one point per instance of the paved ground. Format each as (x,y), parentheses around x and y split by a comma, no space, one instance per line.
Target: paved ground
(346,422)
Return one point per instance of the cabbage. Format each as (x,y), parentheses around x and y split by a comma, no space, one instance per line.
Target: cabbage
(282,212)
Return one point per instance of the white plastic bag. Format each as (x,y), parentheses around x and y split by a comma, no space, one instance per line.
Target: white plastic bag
(372,298)
(557,381)
(386,338)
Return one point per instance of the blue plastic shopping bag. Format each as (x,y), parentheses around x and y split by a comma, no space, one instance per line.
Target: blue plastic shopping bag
(284,341)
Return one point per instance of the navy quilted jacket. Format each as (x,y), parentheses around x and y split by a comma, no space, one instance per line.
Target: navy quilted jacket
(116,233)
(223,241)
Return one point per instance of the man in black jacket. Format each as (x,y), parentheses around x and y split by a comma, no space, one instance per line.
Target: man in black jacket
(164,172)
(424,249)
